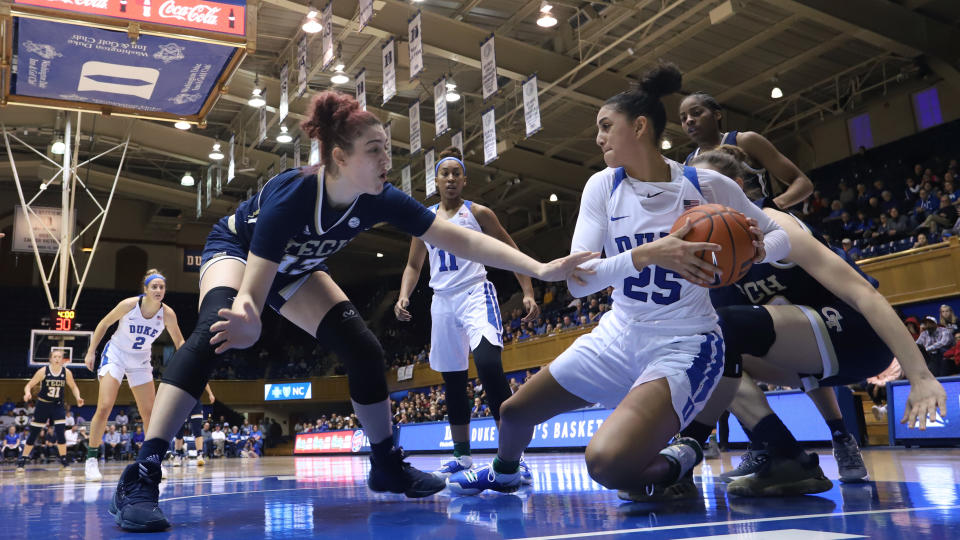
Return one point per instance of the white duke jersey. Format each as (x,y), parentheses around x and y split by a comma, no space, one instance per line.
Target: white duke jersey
(618,213)
(135,333)
(446,271)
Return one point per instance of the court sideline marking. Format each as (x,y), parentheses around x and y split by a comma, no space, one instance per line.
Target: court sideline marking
(738,522)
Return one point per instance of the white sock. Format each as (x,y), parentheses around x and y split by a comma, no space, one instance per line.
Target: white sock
(376,419)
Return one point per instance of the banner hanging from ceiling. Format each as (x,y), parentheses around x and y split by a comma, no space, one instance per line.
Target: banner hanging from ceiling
(91,65)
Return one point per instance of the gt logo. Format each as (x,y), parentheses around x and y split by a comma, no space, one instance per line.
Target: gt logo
(832,317)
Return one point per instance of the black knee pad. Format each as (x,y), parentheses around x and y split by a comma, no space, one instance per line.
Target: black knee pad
(32,437)
(746,330)
(191,365)
(196,426)
(490,371)
(343,330)
(59,430)
(458,405)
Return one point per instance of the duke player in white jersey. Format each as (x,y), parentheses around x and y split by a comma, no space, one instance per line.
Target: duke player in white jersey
(656,358)
(464,314)
(272,252)
(700,116)
(140,320)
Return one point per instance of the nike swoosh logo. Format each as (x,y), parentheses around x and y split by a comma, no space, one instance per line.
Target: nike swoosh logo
(618,218)
(654,195)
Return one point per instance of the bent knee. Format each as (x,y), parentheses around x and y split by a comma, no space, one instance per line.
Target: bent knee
(603,466)
(511,410)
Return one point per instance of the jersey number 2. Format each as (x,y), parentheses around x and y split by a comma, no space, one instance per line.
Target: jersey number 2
(443,262)
(138,343)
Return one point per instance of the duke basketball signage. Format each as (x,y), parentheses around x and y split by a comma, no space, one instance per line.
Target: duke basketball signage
(283,391)
(92,65)
(224,16)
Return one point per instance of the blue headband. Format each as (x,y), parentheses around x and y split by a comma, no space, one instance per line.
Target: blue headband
(151,277)
(437,167)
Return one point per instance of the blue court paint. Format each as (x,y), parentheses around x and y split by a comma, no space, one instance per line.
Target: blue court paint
(326,497)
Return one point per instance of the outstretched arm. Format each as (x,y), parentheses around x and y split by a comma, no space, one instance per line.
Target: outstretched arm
(115,314)
(491,225)
(926,394)
(411,274)
(799,187)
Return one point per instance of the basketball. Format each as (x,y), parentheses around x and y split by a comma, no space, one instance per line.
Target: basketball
(727,228)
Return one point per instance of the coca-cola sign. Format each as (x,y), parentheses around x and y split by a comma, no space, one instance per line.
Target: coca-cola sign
(226,16)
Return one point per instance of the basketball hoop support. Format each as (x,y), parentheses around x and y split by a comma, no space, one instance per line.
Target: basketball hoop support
(69,179)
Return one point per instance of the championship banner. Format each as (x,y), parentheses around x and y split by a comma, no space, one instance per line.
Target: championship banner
(302,66)
(405,180)
(232,167)
(531,105)
(45,222)
(326,20)
(389,71)
(296,153)
(429,162)
(283,162)
(314,152)
(361,88)
(489,121)
(366,13)
(199,199)
(457,140)
(191,260)
(414,115)
(218,182)
(91,65)
(488,67)
(415,46)
(440,106)
(262,128)
(209,186)
(224,16)
(284,91)
(388,147)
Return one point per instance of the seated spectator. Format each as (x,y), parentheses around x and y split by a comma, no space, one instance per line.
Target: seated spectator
(249,450)
(912,192)
(949,188)
(851,250)
(942,218)
(568,323)
(219,441)
(138,437)
(584,320)
(900,222)
(69,419)
(126,441)
(846,195)
(948,319)
(50,450)
(76,442)
(111,443)
(233,442)
(121,419)
(11,442)
(921,241)
(935,340)
(873,209)
(887,201)
(913,326)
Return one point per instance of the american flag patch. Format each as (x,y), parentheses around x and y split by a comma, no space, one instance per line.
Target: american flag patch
(690,203)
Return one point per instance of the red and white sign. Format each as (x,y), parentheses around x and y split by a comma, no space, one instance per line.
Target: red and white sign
(327,442)
(197,14)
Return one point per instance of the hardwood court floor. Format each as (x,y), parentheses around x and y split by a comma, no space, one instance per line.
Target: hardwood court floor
(913,493)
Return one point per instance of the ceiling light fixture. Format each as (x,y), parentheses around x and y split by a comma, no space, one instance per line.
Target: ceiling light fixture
(256,95)
(182,124)
(284,137)
(58,147)
(546,19)
(666,144)
(216,154)
(379,255)
(553,197)
(312,25)
(187,180)
(452,95)
(775,92)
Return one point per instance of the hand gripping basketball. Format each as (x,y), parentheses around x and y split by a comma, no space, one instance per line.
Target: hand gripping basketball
(727,228)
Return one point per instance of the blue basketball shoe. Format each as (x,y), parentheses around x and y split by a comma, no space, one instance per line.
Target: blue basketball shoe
(474,481)
(135,503)
(455,465)
(526,476)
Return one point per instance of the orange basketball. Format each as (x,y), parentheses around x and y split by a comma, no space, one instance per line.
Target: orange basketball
(727,228)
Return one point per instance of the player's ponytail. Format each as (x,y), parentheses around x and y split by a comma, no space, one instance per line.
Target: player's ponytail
(336,119)
(644,99)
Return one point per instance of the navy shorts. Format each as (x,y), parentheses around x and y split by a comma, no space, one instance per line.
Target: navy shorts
(859,351)
(47,410)
(223,243)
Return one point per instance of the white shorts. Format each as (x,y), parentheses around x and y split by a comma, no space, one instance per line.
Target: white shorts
(620,354)
(117,363)
(461,318)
